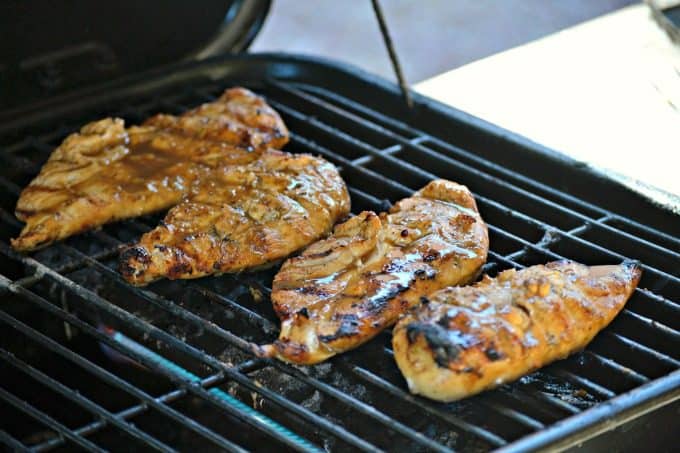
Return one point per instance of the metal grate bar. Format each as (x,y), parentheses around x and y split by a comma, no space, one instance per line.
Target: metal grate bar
(134,411)
(99,372)
(320,95)
(361,407)
(642,349)
(237,341)
(232,305)
(11,442)
(480,432)
(557,402)
(184,314)
(538,402)
(426,175)
(451,163)
(45,419)
(385,122)
(189,385)
(493,228)
(654,324)
(629,374)
(592,387)
(446,163)
(518,417)
(85,403)
(158,334)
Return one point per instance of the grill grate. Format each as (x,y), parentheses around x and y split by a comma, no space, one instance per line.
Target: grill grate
(93,362)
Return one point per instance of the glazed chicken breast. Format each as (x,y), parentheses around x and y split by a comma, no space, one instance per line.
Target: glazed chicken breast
(343,290)
(240,217)
(462,341)
(107,172)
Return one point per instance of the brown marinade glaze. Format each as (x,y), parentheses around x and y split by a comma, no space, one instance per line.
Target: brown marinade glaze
(466,340)
(373,268)
(240,217)
(108,172)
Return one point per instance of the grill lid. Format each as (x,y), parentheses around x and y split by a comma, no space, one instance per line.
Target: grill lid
(51,48)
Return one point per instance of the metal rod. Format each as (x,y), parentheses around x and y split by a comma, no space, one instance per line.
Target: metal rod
(479,162)
(352,402)
(75,397)
(105,375)
(295,439)
(45,419)
(428,407)
(158,334)
(480,179)
(393,53)
(602,417)
(484,202)
(362,407)
(11,442)
(481,199)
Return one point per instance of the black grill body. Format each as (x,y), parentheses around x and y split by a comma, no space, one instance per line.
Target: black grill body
(88,361)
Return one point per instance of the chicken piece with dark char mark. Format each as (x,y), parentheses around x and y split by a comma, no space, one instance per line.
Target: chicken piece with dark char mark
(343,290)
(462,341)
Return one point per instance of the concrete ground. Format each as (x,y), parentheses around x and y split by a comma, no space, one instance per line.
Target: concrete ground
(431,36)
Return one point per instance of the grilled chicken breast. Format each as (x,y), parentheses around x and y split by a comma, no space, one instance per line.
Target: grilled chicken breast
(343,290)
(462,341)
(107,172)
(242,217)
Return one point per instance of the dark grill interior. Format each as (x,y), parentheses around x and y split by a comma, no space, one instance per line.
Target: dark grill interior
(88,360)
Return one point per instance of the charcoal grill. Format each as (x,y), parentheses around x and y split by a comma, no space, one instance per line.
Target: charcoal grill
(88,361)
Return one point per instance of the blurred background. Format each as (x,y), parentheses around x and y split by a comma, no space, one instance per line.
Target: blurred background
(431,36)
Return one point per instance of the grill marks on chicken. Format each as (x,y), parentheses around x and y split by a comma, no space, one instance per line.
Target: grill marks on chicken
(465,340)
(107,172)
(242,217)
(239,117)
(343,290)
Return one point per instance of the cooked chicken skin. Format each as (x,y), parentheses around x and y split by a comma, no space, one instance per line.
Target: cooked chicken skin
(238,117)
(107,172)
(345,289)
(462,341)
(242,217)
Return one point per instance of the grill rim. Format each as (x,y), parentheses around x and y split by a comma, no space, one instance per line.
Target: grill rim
(569,431)
(598,419)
